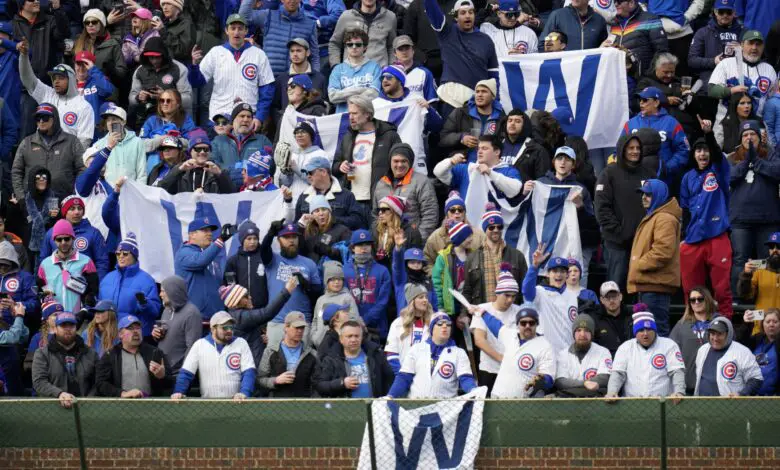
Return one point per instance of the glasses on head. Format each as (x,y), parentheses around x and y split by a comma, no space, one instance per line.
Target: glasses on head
(41,178)
(221,122)
(354,45)
(404,48)
(42,118)
(201,150)
(227,327)
(91,23)
(457,210)
(696,300)
(167,100)
(63,239)
(122,254)
(724,12)
(387,76)
(527,323)
(495,228)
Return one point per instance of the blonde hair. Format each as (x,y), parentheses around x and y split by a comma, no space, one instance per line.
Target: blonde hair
(383,228)
(408,317)
(86,43)
(313,228)
(110,332)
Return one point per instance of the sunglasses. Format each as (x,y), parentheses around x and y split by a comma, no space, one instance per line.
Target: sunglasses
(167,101)
(527,323)
(495,228)
(354,45)
(221,122)
(724,12)
(291,86)
(382,210)
(91,23)
(552,37)
(387,76)
(122,254)
(696,300)
(457,210)
(227,327)
(42,118)
(41,178)
(63,239)
(511,15)
(773,246)
(201,150)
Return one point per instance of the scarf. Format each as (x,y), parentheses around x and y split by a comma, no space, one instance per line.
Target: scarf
(436,350)
(38,220)
(492,265)
(260,185)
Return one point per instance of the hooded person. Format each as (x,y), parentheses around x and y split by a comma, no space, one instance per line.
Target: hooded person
(336,293)
(408,269)
(179,325)
(583,369)
(16,285)
(76,114)
(41,209)
(654,269)
(49,147)
(618,207)
(725,367)
(15,240)
(245,268)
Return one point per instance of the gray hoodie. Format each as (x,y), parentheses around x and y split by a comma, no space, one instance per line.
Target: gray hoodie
(183,320)
(331,269)
(381,33)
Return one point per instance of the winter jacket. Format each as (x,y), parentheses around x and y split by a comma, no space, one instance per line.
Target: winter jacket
(280,27)
(331,371)
(439,240)
(128,158)
(618,205)
(179,37)
(370,286)
(642,33)
(88,241)
(318,327)
(96,90)
(121,286)
(10,92)
(109,58)
(194,265)
(317,250)
(49,370)
(230,151)
(534,161)
(611,331)
(249,322)
(17,283)
(178,181)
(249,273)
(45,36)
(674,147)
(133,45)
(708,43)
(421,206)
(381,33)
(582,35)
(53,272)
(386,137)
(772,119)
(324,12)
(152,133)
(474,288)
(9,132)
(183,321)
(586,218)
(108,373)
(757,202)
(461,121)
(443,280)
(342,202)
(274,363)
(171,74)
(655,253)
(705,195)
(347,79)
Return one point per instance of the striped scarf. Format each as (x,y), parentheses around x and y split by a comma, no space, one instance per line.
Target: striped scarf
(492,264)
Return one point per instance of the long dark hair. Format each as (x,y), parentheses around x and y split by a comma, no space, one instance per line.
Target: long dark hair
(732,131)
(179,115)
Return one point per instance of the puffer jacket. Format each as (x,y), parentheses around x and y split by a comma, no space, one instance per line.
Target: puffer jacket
(708,43)
(121,286)
(171,74)
(642,33)
(178,181)
(274,363)
(655,253)
(49,373)
(420,197)
(381,33)
(462,120)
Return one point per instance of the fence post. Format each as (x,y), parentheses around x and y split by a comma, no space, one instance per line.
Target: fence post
(371,443)
(663,434)
(80,436)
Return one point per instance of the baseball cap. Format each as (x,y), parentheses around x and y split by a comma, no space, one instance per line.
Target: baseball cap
(651,92)
(60,69)
(220,318)
(330,310)
(84,56)
(316,163)
(65,317)
(148,53)
(110,109)
(752,35)
(509,6)
(299,41)
(142,13)
(723,5)
(568,151)
(295,320)
(402,40)
(200,224)
(609,286)
(235,18)
(718,325)
(170,142)
(289,229)
(360,237)
(125,322)
(103,306)
(773,239)
(302,80)
(646,187)
(414,254)
(558,263)
(463,4)
(45,109)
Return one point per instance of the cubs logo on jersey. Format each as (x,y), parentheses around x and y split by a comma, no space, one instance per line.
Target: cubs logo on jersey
(491,128)
(12,284)
(70,118)
(710,183)
(763,85)
(522,47)
(658,361)
(678,356)
(233,361)
(447,369)
(604,3)
(81,243)
(589,374)
(729,370)
(572,313)
(167,79)
(526,362)
(608,363)
(249,71)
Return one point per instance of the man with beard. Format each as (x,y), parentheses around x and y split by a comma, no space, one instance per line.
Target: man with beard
(280,267)
(761,283)
(229,151)
(583,368)
(132,369)
(510,36)
(64,368)
(224,364)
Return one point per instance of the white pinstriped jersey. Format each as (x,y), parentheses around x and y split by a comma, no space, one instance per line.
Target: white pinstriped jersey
(761,76)
(521,363)
(76,114)
(597,361)
(235,80)
(443,381)
(647,370)
(219,372)
(557,312)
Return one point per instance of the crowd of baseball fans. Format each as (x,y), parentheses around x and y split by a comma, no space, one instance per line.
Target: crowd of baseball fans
(375,283)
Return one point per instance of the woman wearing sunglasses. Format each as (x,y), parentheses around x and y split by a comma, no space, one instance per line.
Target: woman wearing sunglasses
(691,331)
(96,39)
(766,348)
(198,173)
(170,119)
(454,209)
(322,231)
(390,222)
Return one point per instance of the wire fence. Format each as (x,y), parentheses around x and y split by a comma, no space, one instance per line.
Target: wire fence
(648,423)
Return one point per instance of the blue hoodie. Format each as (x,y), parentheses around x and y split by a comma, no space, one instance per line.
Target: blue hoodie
(370,285)
(674,144)
(88,240)
(86,182)
(705,194)
(195,265)
(660,193)
(400,280)
(10,83)
(96,90)
(122,284)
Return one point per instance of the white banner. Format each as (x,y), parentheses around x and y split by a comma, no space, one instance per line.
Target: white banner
(160,220)
(444,435)
(407,116)
(592,83)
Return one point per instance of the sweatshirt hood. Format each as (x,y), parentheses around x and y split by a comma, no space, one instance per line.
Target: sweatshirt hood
(729,326)
(660,192)
(73,90)
(155,44)
(8,253)
(56,127)
(176,290)
(621,148)
(38,170)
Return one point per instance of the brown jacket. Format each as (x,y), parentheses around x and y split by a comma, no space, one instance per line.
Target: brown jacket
(655,253)
(439,241)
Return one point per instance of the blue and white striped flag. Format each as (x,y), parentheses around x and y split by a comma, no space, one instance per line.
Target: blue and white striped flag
(407,116)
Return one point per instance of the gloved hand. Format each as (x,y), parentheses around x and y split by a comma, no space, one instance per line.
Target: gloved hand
(322,249)
(141,298)
(276,227)
(228,231)
(751,153)
(304,283)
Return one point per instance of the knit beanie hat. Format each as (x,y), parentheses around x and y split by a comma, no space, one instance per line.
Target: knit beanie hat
(231,294)
(318,201)
(247,228)
(239,107)
(413,290)
(404,150)
(395,203)
(129,244)
(50,307)
(62,228)
(506,283)
(453,200)
(397,71)
(436,318)
(95,13)
(643,319)
(458,232)
(492,216)
(69,202)
(583,321)
(177,3)
(332,269)
(258,165)
(574,262)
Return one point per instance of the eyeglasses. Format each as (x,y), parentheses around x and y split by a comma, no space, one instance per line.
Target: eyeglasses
(221,122)
(773,246)
(696,300)
(354,45)
(91,23)
(167,101)
(724,12)
(42,118)
(388,76)
(644,100)
(457,210)
(495,228)
(612,296)
(63,239)
(227,327)
(527,323)
(41,178)
(201,150)
(122,254)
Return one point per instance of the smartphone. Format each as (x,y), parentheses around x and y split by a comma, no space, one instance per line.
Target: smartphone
(116,128)
(757,264)
(158,14)
(753,315)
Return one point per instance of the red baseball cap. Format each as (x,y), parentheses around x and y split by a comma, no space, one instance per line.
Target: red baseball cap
(84,56)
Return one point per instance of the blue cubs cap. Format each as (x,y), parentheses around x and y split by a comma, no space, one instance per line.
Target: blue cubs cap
(724,5)
(558,263)
(316,163)
(302,80)
(414,254)
(128,320)
(509,6)
(360,236)
(646,187)
(527,312)
(651,92)
(289,229)
(773,239)
(65,317)
(103,306)
(200,224)
(330,311)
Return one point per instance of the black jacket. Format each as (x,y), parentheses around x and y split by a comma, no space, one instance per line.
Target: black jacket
(274,363)
(386,137)
(332,370)
(474,289)
(534,162)
(46,38)
(610,331)
(315,248)
(178,181)
(246,267)
(109,372)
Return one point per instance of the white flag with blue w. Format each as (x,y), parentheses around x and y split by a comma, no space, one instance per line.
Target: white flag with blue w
(407,116)
(592,83)
(159,220)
